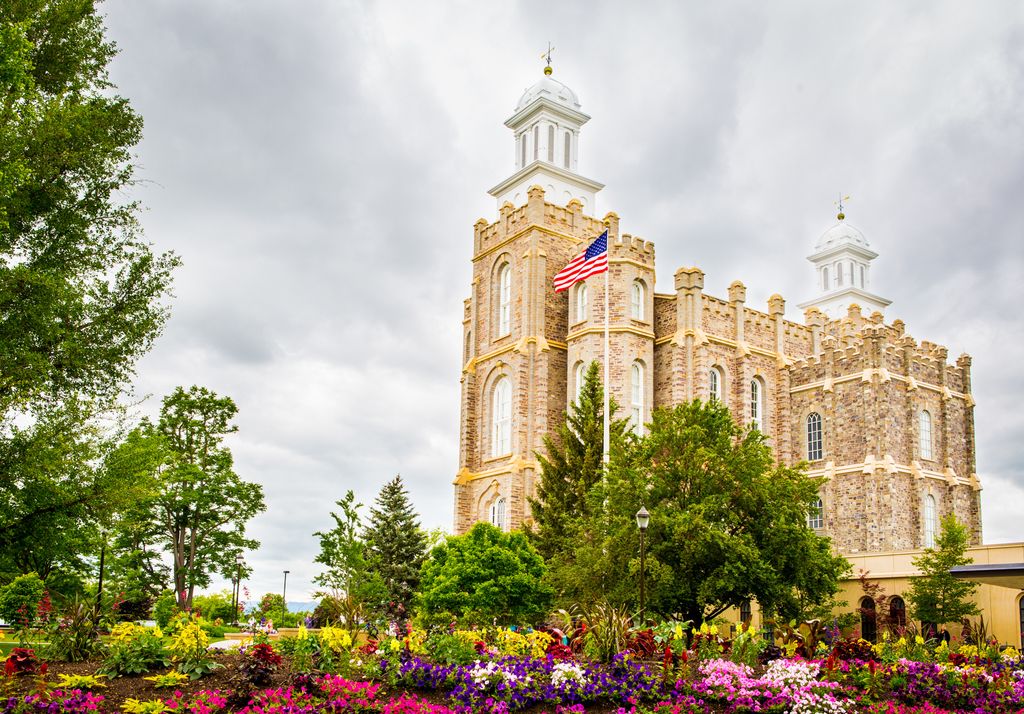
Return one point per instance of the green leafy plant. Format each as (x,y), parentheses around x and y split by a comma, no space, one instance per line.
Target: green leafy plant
(135,653)
(85,682)
(259,663)
(190,651)
(151,706)
(448,649)
(602,630)
(74,636)
(168,680)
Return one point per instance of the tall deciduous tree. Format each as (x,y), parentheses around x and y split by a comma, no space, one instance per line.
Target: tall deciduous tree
(727,522)
(936,596)
(482,576)
(570,467)
(82,295)
(201,507)
(347,576)
(395,548)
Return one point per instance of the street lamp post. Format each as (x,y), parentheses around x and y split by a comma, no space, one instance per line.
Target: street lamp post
(284,596)
(643,518)
(237,591)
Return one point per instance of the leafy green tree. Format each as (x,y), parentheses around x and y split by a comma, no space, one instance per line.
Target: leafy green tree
(20,598)
(347,577)
(395,548)
(82,295)
(570,467)
(936,596)
(728,523)
(482,576)
(200,508)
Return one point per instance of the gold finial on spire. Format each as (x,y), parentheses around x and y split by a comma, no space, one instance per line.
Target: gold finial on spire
(839,203)
(546,56)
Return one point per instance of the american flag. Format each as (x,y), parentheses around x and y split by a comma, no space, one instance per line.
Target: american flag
(592,261)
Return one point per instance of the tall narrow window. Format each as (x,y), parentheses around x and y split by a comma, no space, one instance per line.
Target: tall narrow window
(824,278)
(551,143)
(636,300)
(813,436)
(522,150)
(498,513)
(536,142)
(581,302)
(926,435)
(504,300)
(501,417)
(746,615)
(756,410)
(816,518)
(567,149)
(929,521)
(469,346)
(868,621)
(862,276)
(839,273)
(580,375)
(636,418)
(714,385)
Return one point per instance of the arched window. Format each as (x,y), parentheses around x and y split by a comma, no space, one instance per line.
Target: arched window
(839,273)
(824,278)
(579,376)
(897,611)
(536,142)
(568,148)
(636,300)
(636,418)
(714,385)
(929,521)
(522,150)
(814,436)
(816,518)
(504,300)
(498,513)
(746,614)
(581,302)
(925,434)
(501,418)
(868,621)
(756,404)
(862,276)
(551,143)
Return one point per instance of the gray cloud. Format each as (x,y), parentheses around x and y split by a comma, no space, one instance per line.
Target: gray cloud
(320,167)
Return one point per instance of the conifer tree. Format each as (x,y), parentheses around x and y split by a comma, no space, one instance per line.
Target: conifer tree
(572,466)
(938,597)
(396,547)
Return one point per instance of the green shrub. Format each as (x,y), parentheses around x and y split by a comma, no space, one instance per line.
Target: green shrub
(165,608)
(136,651)
(451,650)
(19,599)
(214,605)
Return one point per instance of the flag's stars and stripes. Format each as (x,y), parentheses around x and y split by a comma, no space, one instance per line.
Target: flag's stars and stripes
(592,261)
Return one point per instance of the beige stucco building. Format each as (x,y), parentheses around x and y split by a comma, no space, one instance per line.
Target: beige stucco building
(885,421)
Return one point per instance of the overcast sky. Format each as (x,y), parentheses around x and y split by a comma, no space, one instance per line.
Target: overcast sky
(319,167)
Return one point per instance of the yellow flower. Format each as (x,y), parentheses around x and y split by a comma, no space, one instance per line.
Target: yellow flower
(395,645)
(678,632)
(919,640)
(1010,653)
(303,633)
(158,632)
(713,629)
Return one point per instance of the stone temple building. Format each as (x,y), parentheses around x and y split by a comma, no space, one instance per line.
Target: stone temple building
(885,421)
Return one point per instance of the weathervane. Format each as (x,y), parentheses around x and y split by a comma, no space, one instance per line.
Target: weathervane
(839,203)
(546,56)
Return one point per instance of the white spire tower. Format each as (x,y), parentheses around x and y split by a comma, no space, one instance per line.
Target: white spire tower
(546,124)
(842,261)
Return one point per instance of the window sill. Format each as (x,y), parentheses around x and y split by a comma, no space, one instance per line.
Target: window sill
(500,457)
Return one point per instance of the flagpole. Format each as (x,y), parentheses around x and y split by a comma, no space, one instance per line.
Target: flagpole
(607,382)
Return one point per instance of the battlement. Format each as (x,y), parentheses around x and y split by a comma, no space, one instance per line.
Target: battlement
(632,248)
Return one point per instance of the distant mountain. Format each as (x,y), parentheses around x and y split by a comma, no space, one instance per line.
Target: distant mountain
(301,606)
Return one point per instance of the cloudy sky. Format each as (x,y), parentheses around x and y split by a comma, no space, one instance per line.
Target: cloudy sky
(319,167)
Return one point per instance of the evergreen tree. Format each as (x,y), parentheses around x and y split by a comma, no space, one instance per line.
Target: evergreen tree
(570,469)
(396,547)
(938,597)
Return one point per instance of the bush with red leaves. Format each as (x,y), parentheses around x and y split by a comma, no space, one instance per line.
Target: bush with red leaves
(21,660)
